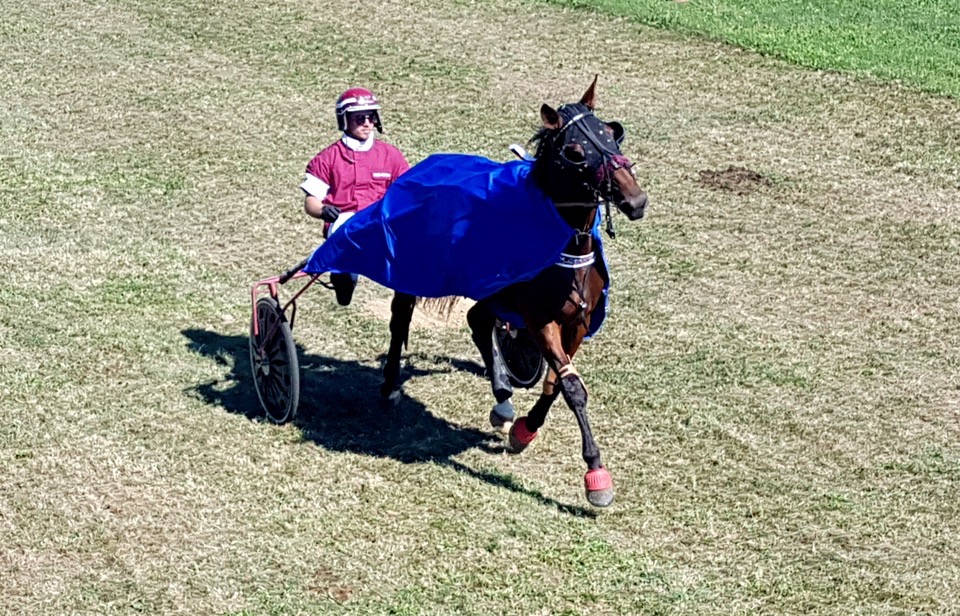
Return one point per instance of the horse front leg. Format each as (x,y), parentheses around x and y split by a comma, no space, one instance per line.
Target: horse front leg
(565,378)
(597,481)
(401,314)
(525,429)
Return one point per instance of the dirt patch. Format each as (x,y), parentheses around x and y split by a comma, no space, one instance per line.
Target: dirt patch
(737,180)
(430,313)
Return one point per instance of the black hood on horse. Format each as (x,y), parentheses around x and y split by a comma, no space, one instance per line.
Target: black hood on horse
(578,159)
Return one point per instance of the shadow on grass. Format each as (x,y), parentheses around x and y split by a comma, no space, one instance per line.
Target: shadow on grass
(340,410)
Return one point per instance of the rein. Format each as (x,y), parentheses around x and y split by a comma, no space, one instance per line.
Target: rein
(583,204)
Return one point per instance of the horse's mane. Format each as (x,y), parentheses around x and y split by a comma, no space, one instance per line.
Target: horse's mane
(538,138)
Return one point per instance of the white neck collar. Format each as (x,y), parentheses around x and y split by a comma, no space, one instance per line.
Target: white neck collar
(357,145)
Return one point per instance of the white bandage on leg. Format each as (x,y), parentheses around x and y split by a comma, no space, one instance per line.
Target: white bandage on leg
(505,409)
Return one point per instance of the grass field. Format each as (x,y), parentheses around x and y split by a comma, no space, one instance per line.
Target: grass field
(776,391)
(916,42)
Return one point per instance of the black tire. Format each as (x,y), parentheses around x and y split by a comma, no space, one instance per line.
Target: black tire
(521,358)
(273,360)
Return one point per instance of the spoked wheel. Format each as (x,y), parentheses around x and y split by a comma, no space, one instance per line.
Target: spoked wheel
(273,359)
(521,357)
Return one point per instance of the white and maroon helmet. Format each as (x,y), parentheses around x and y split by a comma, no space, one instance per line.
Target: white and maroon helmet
(357,99)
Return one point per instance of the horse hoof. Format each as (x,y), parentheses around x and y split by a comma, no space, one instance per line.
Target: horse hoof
(502,416)
(520,436)
(500,424)
(388,395)
(599,487)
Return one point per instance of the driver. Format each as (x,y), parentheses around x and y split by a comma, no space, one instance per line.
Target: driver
(351,173)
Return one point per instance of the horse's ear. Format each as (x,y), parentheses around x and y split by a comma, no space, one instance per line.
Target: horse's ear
(551,119)
(617,131)
(590,94)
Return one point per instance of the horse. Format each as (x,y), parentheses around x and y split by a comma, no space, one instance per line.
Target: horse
(579,166)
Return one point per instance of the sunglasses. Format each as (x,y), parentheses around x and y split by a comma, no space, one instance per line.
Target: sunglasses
(362,118)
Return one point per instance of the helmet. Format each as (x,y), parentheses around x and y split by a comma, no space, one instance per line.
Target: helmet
(357,99)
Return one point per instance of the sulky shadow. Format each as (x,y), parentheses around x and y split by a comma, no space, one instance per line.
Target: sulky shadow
(340,410)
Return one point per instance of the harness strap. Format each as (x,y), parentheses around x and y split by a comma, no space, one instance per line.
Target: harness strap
(610,230)
(576,261)
(575,119)
(593,139)
(586,204)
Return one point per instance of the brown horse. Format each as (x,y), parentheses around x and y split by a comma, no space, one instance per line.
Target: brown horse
(578,164)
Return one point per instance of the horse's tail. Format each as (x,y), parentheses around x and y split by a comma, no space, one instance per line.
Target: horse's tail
(440,307)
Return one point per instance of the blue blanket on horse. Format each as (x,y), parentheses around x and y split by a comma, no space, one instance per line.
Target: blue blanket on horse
(599,313)
(454,224)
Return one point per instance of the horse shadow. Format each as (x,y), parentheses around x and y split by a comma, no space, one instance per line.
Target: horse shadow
(341,410)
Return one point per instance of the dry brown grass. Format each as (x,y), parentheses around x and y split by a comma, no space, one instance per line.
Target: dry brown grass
(775,393)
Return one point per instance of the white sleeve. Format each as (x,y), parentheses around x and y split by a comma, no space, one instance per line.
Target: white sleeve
(312,185)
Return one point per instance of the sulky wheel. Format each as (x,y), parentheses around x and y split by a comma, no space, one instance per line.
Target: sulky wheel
(520,354)
(273,359)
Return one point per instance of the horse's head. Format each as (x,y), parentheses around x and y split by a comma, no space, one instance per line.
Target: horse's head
(578,158)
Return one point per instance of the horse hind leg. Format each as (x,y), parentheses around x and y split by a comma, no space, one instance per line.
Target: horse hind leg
(401,315)
(503,414)
(482,321)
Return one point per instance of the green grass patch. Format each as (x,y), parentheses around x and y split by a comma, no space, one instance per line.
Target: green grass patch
(916,42)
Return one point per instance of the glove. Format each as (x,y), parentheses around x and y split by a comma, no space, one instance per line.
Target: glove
(329,213)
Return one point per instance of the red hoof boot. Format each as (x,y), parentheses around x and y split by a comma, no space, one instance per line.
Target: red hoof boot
(520,436)
(599,486)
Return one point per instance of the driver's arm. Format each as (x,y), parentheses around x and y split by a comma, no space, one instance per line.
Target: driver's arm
(313,206)
(315,190)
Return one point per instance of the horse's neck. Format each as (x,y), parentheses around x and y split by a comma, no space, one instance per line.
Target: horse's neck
(580,245)
(574,210)
(582,242)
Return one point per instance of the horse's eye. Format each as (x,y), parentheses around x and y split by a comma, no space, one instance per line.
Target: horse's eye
(574,153)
